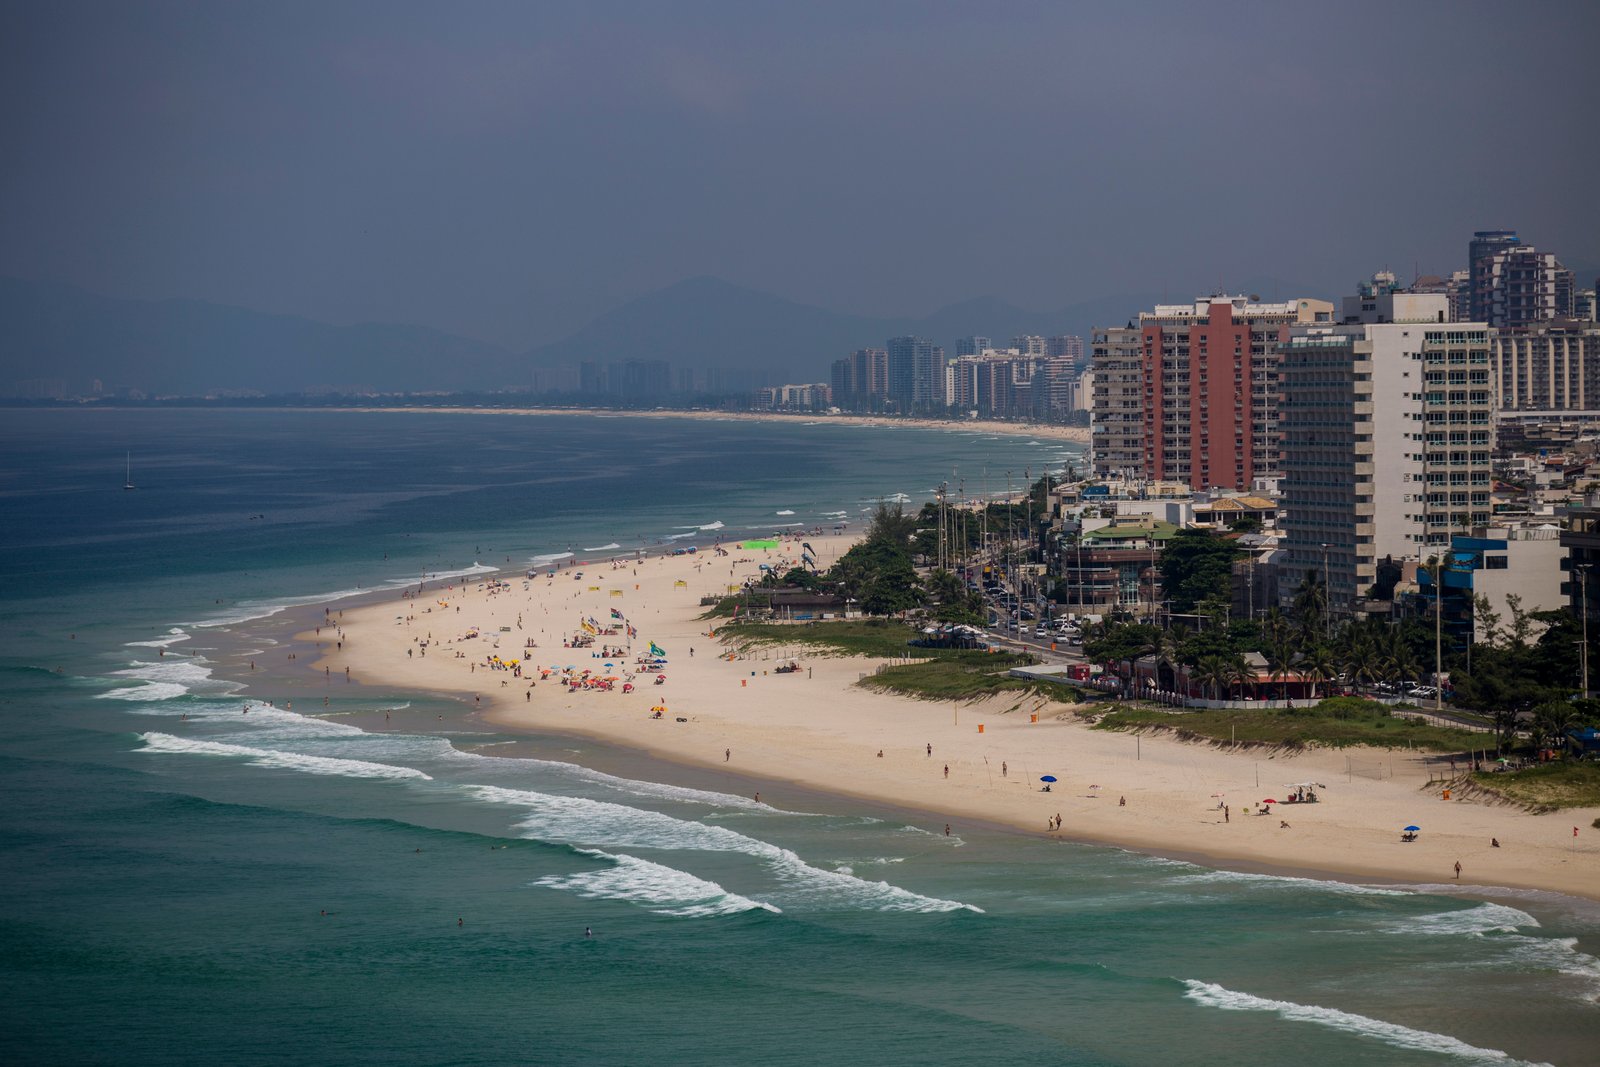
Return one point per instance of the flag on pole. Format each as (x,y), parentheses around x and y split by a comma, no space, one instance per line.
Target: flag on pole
(657,650)
(615,614)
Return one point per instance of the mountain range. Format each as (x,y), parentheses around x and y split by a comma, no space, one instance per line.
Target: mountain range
(57,339)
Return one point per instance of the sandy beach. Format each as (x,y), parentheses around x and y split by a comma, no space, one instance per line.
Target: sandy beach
(816,728)
(1052,431)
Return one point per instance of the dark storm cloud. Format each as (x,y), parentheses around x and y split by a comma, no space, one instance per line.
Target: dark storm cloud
(508,170)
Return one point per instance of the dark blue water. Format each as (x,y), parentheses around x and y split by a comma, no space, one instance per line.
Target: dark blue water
(183,884)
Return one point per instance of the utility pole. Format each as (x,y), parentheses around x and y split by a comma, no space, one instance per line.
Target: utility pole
(1438,634)
(1582,570)
(1327,594)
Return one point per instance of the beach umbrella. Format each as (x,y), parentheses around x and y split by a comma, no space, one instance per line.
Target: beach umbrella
(1412,829)
(1047,778)
(1269,800)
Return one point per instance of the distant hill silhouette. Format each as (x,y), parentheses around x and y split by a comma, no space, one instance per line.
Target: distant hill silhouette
(708,322)
(53,333)
(58,333)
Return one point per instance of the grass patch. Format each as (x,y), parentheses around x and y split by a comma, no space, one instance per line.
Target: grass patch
(1548,787)
(935,673)
(964,676)
(1332,724)
(884,638)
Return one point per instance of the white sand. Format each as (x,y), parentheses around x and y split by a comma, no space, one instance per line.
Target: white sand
(818,729)
(1051,430)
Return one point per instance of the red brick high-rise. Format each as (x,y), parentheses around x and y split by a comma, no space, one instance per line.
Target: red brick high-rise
(1199,402)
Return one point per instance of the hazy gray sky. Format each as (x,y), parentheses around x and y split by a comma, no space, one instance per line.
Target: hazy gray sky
(508,170)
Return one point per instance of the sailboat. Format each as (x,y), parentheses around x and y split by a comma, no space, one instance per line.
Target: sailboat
(128,480)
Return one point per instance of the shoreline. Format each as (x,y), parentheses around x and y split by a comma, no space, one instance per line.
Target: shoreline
(818,732)
(1055,431)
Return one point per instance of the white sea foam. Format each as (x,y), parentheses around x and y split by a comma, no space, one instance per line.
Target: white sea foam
(1203,876)
(663,791)
(1558,954)
(712,525)
(173,636)
(434,576)
(148,692)
(167,680)
(251,610)
(785,512)
(603,548)
(659,888)
(1482,919)
(548,558)
(266,757)
(1392,1034)
(579,821)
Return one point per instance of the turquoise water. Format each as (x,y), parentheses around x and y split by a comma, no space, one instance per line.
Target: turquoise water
(186,884)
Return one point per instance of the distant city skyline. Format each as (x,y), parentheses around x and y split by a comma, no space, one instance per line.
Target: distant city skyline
(508,173)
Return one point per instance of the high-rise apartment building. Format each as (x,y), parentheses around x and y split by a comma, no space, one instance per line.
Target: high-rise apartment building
(861,379)
(1484,244)
(972,346)
(1553,366)
(1117,402)
(1387,435)
(1066,346)
(1585,307)
(916,374)
(1515,285)
(1208,391)
(1029,345)
(1053,386)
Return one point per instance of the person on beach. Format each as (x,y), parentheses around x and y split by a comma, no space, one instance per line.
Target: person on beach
(930,749)
(1002,768)
(727,754)
(1458,870)
(947,770)
(947,829)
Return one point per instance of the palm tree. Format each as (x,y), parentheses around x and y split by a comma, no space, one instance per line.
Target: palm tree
(1317,664)
(1240,673)
(1310,608)
(1213,673)
(1280,657)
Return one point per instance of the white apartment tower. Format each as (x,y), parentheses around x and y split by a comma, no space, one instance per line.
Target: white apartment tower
(1387,437)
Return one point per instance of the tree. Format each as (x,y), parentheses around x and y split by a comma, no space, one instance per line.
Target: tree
(878,571)
(1317,665)
(1212,672)
(891,524)
(1311,609)
(1194,566)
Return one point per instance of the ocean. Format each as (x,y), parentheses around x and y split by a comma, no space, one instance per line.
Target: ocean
(184,883)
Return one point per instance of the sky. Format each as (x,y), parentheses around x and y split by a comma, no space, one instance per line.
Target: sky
(508,171)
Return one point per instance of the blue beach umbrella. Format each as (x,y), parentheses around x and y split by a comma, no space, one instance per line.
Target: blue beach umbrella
(1412,829)
(1047,778)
